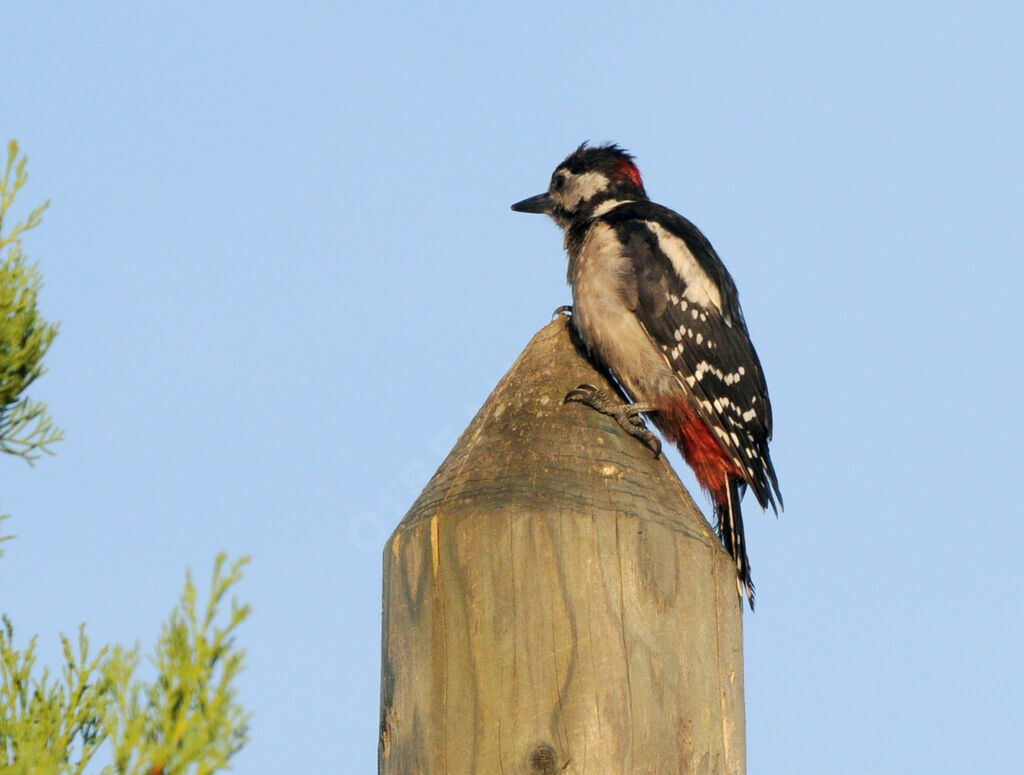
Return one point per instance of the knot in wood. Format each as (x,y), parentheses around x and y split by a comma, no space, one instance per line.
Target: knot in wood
(543,759)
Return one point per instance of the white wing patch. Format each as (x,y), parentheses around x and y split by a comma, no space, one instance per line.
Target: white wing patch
(699,287)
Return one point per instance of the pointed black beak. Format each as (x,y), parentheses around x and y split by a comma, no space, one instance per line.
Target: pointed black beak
(535,204)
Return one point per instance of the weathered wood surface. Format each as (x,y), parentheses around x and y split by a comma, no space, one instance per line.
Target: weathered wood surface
(554,602)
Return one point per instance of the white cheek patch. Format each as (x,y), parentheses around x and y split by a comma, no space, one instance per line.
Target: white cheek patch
(699,288)
(582,188)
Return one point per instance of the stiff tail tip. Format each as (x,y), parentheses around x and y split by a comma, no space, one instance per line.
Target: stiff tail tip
(730,530)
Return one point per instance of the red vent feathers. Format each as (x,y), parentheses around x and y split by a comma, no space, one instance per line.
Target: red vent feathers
(698,444)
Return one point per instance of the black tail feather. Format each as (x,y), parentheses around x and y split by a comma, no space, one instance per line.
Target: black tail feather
(730,531)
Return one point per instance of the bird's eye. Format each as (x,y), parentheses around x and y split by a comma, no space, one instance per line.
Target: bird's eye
(558,182)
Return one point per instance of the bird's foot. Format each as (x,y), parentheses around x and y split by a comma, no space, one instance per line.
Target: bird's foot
(626,415)
(565,309)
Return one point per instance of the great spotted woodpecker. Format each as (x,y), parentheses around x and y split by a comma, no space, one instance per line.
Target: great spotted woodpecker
(655,306)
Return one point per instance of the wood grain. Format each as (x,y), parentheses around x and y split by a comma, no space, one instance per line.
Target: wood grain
(554,602)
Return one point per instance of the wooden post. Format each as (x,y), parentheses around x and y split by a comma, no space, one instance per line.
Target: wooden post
(554,602)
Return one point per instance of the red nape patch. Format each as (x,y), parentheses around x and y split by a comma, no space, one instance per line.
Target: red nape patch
(627,169)
(701,450)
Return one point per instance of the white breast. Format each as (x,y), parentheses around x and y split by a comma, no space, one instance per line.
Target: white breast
(605,321)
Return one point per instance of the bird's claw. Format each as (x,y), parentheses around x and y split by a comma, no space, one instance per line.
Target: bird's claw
(581,393)
(626,415)
(565,309)
(648,439)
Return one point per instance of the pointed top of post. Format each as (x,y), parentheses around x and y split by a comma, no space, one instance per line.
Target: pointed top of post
(527,449)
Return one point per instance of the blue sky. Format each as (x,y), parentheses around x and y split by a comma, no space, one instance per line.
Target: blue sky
(287,276)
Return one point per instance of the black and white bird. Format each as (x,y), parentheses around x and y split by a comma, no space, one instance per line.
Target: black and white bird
(655,306)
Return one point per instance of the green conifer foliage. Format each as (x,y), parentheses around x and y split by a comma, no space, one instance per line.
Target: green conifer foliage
(183,715)
(25,428)
(186,719)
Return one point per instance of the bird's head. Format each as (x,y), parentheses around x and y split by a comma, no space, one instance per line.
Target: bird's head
(590,181)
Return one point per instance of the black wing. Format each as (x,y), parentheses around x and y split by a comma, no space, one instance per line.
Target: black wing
(708,345)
